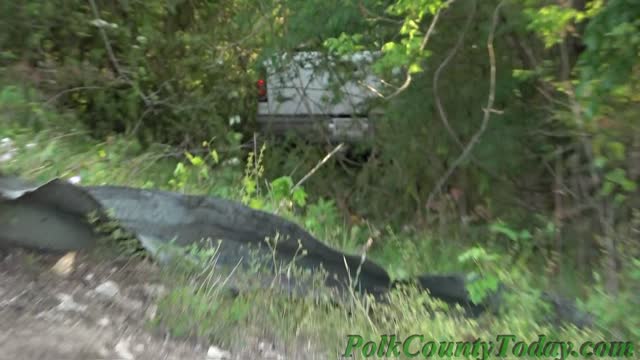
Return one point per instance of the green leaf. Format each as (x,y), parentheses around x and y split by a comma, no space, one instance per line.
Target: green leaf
(479,289)
(414,68)
(525,235)
(281,187)
(409,27)
(619,199)
(197,161)
(629,185)
(179,170)
(194,160)
(550,228)
(256,203)
(500,228)
(249,186)
(522,74)
(617,150)
(299,196)
(476,254)
(600,162)
(204,172)
(388,47)
(618,176)
(214,156)
(607,188)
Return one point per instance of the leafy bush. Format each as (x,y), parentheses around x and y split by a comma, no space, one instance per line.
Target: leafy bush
(165,72)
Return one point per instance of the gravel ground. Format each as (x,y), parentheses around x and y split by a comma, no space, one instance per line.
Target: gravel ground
(74,307)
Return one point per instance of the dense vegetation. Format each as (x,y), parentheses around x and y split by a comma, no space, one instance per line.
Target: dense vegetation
(513,136)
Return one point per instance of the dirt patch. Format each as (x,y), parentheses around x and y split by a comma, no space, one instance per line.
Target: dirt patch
(77,307)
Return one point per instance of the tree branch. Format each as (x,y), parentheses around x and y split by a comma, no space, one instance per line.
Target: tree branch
(436,77)
(486,117)
(112,56)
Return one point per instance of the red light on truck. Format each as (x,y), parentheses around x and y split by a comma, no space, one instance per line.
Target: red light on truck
(262,89)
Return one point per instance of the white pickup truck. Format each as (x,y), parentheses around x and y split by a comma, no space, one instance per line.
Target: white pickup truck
(318,97)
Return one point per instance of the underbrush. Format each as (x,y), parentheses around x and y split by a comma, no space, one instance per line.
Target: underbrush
(322,323)
(43,144)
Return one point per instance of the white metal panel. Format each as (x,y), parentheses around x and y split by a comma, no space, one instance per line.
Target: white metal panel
(303,88)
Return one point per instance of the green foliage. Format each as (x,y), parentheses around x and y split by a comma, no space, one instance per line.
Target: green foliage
(198,306)
(608,68)
(282,189)
(276,314)
(63,149)
(344,44)
(513,235)
(617,314)
(115,239)
(322,218)
(551,22)
(564,116)
(412,146)
(163,79)
(488,282)
(307,23)
(196,169)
